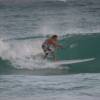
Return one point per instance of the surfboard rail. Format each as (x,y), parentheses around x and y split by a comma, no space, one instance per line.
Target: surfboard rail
(67,62)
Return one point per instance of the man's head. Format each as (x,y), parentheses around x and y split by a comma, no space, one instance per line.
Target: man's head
(54,37)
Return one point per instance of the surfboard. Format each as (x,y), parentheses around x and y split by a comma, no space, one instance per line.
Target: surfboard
(67,62)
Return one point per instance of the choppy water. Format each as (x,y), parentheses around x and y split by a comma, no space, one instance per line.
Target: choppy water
(71,87)
(24,25)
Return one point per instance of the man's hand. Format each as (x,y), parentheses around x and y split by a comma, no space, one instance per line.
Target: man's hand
(60,46)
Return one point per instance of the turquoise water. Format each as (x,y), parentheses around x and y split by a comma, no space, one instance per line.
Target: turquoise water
(24,25)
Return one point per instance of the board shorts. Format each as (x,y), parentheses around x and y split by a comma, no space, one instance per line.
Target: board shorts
(48,49)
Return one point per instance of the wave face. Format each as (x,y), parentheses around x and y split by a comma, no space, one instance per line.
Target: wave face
(82,46)
(22,56)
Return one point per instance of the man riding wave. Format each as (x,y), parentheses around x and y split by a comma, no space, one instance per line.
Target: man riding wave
(49,46)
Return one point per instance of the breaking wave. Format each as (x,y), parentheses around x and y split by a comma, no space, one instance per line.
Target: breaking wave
(26,54)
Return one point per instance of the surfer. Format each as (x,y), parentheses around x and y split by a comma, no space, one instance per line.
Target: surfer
(49,46)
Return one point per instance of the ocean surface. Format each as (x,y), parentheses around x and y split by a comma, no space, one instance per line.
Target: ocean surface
(24,25)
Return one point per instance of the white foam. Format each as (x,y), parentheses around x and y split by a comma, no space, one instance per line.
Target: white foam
(24,54)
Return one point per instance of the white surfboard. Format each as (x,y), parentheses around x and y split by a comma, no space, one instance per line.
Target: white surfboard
(67,62)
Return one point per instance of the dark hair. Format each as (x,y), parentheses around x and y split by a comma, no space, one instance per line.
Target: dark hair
(54,36)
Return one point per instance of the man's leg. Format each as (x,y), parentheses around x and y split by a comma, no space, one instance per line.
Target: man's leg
(54,56)
(46,55)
